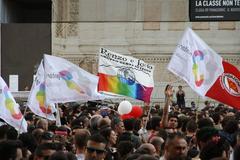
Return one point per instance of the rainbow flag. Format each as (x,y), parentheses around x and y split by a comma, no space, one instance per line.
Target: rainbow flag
(10,111)
(37,97)
(124,75)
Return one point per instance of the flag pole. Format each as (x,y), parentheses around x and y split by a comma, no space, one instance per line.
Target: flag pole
(44,68)
(24,113)
(58,120)
(148,116)
(197,108)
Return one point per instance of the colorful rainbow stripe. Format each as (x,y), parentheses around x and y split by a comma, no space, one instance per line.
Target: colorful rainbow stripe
(197,56)
(67,77)
(9,102)
(113,84)
(40,96)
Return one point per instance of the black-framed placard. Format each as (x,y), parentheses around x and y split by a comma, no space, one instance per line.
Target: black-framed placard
(214,10)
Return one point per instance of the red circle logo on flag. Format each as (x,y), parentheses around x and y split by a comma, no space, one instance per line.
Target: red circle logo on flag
(231,84)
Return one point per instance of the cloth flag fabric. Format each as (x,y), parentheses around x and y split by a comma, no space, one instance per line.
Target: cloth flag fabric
(37,97)
(227,87)
(10,112)
(66,82)
(124,75)
(196,63)
(205,71)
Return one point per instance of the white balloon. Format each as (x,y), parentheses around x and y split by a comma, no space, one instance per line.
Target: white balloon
(124,107)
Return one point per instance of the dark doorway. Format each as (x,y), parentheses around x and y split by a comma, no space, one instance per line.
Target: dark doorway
(22,48)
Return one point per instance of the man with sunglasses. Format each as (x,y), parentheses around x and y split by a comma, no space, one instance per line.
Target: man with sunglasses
(96,148)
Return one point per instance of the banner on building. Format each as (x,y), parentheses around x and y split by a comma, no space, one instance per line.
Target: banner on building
(214,10)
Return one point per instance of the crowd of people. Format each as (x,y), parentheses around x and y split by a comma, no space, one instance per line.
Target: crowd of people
(93,131)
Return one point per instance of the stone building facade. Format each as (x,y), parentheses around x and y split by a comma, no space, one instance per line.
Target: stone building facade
(146,29)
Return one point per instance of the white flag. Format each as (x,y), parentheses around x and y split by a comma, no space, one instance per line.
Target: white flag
(10,112)
(196,63)
(37,96)
(66,82)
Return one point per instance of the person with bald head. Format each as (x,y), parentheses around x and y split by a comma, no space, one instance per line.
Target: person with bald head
(147,148)
(157,143)
(175,148)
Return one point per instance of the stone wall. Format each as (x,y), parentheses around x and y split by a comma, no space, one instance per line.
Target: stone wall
(146,29)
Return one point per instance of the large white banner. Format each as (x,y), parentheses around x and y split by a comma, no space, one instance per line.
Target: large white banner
(37,97)
(66,82)
(196,63)
(9,111)
(125,75)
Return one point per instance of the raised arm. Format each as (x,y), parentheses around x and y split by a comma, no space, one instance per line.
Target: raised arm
(168,99)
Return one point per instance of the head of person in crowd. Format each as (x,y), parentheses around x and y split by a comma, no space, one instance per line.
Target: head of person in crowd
(172,121)
(12,133)
(45,150)
(42,123)
(117,126)
(182,122)
(62,133)
(125,148)
(180,88)
(137,126)
(147,148)
(47,137)
(129,124)
(28,142)
(11,150)
(191,129)
(193,105)
(144,119)
(230,124)
(128,134)
(96,148)
(157,142)
(175,147)
(109,135)
(163,134)
(77,123)
(80,140)
(104,122)
(37,134)
(146,157)
(94,123)
(207,104)
(216,116)
(60,155)
(29,117)
(155,123)
(230,128)
(206,134)
(205,122)
(217,148)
